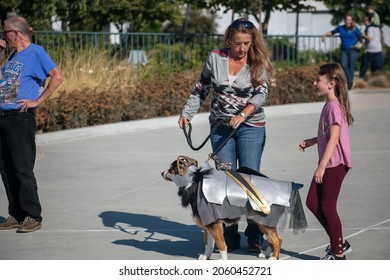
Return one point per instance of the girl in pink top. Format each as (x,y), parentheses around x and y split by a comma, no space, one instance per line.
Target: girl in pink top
(334,156)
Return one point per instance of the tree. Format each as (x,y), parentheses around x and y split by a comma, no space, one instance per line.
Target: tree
(253,8)
(193,21)
(6,7)
(38,13)
(74,13)
(127,15)
(94,15)
(358,9)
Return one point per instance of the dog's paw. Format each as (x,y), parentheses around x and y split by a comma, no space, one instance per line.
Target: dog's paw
(223,255)
(203,257)
(262,255)
(272,259)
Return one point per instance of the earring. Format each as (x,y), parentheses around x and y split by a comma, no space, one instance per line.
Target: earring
(227,46)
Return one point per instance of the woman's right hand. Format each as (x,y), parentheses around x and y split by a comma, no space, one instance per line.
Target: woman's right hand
(183,120)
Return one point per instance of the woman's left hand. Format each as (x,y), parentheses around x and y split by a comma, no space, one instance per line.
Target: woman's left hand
(236,121)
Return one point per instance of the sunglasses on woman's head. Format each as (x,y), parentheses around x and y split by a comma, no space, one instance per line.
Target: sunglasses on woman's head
(242,22)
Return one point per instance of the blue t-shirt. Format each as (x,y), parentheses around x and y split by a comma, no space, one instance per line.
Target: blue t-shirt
(23,76)
(349,37)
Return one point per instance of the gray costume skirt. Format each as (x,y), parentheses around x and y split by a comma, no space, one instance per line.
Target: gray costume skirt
(211,212)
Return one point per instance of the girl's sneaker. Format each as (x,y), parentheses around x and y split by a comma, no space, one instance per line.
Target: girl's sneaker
(331,257)
(347,248)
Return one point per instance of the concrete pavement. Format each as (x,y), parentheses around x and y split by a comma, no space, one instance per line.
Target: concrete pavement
(103,197)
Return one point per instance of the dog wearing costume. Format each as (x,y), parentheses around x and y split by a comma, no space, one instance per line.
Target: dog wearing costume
(216,198)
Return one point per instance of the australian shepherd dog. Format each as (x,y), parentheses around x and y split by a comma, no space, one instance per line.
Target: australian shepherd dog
(189,179)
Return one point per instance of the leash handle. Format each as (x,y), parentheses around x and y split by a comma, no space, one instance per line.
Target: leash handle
(188,137)
(189,141)
(188,134)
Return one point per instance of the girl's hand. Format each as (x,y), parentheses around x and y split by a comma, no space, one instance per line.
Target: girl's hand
(307,143)
(302,146)
(318,174)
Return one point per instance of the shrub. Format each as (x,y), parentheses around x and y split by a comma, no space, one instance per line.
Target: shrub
(151,97)
(98,91)
(293,85)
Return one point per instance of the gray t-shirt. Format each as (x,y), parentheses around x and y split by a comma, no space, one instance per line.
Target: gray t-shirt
(373,45)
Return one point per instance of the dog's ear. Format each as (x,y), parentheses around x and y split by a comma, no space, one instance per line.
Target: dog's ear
(183,162)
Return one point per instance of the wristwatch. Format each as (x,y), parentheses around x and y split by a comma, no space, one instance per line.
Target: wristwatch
(242,114)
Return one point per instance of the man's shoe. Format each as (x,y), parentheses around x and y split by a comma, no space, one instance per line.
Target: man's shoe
(347,248)
(29,225)
(9,223)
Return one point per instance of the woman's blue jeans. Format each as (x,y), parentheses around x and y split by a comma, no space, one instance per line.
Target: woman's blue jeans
(348,62)
(245,148)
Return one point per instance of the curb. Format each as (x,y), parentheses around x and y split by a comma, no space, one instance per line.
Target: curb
(158,123)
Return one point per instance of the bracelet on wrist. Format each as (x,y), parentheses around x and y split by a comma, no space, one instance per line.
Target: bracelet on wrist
(242,114)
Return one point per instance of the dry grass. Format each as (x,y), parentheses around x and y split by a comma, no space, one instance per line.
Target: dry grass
(375,80)
(94,72)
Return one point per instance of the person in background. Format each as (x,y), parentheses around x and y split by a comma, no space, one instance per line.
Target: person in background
(351,38)
(238,76)
(333,145)
(22,81)
(372,56)
(373,16)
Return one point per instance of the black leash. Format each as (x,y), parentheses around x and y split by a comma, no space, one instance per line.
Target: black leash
(212,155)
(189,140)
(219,123)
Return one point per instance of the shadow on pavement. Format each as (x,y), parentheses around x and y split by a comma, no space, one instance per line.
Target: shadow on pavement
(181,239)
(296,255)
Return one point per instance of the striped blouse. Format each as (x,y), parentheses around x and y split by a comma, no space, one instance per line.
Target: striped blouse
(229,97)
